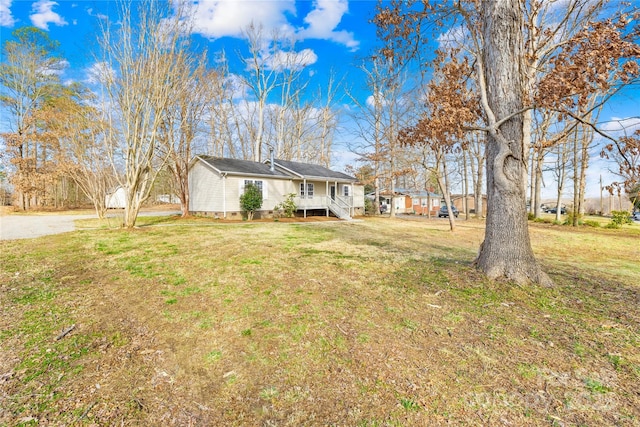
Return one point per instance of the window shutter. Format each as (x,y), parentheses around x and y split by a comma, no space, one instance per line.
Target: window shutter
(263,186)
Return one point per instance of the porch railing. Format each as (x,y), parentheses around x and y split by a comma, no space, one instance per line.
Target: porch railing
(340,206)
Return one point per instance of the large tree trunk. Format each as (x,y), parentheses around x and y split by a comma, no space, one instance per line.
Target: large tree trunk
(506,250)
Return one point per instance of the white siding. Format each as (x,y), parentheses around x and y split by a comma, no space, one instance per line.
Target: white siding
(205,189)
(212,193)
(358,195)
(276,190)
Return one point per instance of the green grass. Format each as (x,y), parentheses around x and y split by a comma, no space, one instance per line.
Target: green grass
(378,322)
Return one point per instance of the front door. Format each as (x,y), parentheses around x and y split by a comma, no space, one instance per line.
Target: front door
(333,192)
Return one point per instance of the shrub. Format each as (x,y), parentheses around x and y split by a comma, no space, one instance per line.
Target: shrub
(368,206)
(543,220)
(592,223)
(570,216)
(287,208)
(251,200)
(620,218)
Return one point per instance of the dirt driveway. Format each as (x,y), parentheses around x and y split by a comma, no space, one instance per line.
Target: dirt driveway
(17,226)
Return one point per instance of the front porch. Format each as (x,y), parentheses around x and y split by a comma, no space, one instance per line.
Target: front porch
(340,206)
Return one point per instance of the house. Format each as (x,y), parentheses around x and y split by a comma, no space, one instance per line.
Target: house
(411,201)
(459,201)
(215,186)
(424,202)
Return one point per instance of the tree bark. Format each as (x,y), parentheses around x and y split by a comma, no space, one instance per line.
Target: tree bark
(506,250)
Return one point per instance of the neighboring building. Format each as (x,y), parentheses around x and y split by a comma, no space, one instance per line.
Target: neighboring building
(424,201)
(410,201)
(167,198)
(116,198)
(401,201)
(458,201)
(215,186)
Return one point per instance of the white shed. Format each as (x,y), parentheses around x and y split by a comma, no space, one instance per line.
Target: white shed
(117,198)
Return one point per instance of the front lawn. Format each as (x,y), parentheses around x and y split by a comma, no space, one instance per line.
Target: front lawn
(371,323)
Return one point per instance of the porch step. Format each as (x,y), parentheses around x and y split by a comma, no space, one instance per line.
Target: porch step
(340,212)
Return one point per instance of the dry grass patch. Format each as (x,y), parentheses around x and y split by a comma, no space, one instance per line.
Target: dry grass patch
(369,323)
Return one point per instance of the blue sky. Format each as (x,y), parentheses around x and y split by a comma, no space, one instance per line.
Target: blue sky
(336,34)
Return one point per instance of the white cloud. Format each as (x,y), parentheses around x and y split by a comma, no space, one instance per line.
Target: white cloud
(621,127)
(235,86)
(96,15)
(340,159)
(453,38)
(220,18)
(291,60)
(6,18)
(371,101)
(99,72)
(54,68)
(229,18)
(44,15)
(323,20)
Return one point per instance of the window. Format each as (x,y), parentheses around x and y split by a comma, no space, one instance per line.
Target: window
(257,183)
(309,194)
(346,190)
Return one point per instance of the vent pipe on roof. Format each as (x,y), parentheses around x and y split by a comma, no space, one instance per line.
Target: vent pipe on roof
(273,168)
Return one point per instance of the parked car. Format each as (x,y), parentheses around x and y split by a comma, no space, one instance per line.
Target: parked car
(636,216)
(563,210)
(444,212)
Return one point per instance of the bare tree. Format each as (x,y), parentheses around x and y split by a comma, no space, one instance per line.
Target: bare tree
(477,163)
(625,153)
(189,98)
(262,79)
(388,109)
(370,128)
(85,158)
(141,54)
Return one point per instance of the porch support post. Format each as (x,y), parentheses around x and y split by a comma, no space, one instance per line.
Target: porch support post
(224,196)
(306,196)
(327,197)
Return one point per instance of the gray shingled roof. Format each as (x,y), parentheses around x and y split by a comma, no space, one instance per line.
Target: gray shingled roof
(307,170)
(242,167)
(247,167)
